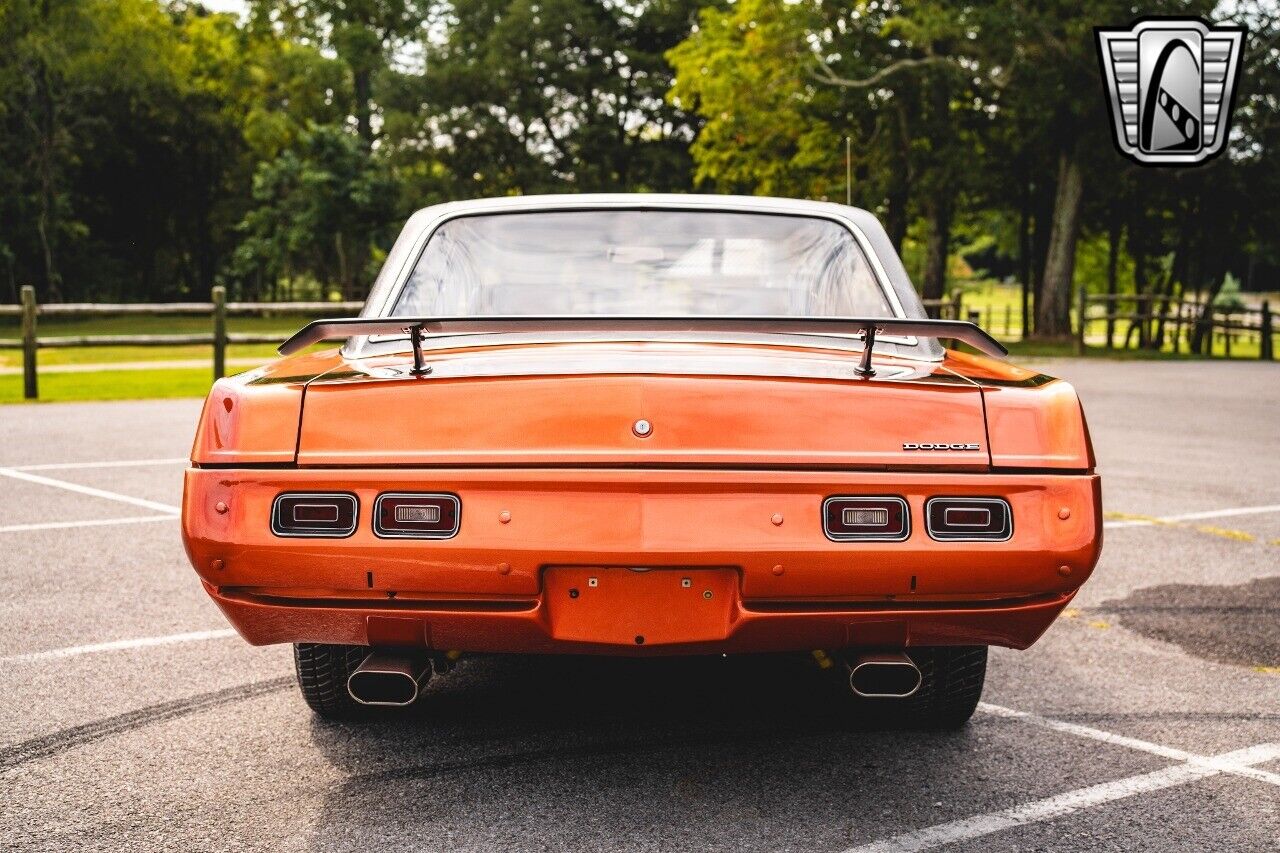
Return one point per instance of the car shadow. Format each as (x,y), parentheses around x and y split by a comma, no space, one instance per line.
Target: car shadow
(592,753)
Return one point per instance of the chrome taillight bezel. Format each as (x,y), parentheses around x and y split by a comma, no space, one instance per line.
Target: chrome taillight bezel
(868,537)
(383,533)
(1004,534)
(315,532)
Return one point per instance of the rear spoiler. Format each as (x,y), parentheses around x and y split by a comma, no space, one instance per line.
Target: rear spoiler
(866,327)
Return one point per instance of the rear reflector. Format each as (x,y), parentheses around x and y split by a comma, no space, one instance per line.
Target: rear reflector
(412,515)
(969,519)
(314,514)
(884,519)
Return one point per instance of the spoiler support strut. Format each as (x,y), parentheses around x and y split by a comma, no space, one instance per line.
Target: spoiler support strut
(864,367)
(420,368)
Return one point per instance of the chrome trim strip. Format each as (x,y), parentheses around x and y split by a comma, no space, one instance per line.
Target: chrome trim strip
(314,533)
(1004,536)
(869,537)
(433,534)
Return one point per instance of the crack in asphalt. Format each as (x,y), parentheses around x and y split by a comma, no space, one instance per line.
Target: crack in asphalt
(64,739)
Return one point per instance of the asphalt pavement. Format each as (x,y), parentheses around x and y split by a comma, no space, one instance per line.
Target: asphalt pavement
(1147,718)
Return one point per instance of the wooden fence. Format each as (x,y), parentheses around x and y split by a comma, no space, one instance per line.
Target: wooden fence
(947,308)
(219,309)
(1161,321)
(1175,322)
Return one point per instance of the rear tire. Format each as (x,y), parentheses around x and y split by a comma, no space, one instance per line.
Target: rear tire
(951,679)
(323,671)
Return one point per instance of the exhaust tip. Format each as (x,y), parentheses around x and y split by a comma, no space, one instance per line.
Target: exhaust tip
(884,676)
(393,680)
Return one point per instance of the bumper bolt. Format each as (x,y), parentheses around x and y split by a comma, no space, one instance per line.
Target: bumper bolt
(504,568)
(217,565)
(504,517)
(1064,570)
(220,507)
(706,594)
(777,570)
(1064,513)
(777,519)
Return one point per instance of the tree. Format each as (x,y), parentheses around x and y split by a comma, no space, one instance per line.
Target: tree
(526,96)
(781,84)
(319,209)
(365,35)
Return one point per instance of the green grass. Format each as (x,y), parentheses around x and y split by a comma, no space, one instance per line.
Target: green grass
(113,385)
(112,355)
(158,324)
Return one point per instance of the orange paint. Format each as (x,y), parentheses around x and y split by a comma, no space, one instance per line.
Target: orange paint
(557,487)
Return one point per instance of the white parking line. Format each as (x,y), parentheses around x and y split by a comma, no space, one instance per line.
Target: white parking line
(118,645)
(94,522)
(1064,804)
(1125,741)
(120,463)
(88,490)
(1192,516)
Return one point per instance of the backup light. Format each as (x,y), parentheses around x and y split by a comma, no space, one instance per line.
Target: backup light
(969,519)
(885,519)
(314,514)
(413,515)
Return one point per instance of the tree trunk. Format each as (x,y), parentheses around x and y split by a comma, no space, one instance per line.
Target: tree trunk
(362,86)
(1024,257)
(1043,191)
(938,246)
(345,283)
(895,220)
(1053,311)
(1113,260)
(1201,336)
(46,227)
(898,193)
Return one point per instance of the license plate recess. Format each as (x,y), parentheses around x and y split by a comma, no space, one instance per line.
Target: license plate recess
(622,606)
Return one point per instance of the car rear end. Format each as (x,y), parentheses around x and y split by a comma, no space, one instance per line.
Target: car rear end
(754,513)
(642,429)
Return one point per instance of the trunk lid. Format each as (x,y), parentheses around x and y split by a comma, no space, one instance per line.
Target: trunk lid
(578,404)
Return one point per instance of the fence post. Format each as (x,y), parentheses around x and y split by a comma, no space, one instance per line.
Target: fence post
(30,390)
(219,332)
(1082,306)
(1266,349)
(957,299)
(1008,320)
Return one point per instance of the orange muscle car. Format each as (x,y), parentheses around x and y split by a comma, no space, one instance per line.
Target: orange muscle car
(643,425)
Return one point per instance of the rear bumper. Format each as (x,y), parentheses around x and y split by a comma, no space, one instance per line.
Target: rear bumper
(262,620)
(488,588)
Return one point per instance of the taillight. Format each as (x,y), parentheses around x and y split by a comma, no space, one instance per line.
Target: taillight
(969,519)
(314,514)
(886,519)
(417,516)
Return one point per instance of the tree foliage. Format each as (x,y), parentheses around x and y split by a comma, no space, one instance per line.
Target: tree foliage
(150,149)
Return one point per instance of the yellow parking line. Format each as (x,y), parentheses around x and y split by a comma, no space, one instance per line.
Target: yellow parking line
(1226,533)
(1222,532)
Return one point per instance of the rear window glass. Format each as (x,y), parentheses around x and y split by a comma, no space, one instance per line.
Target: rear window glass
(642,262)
